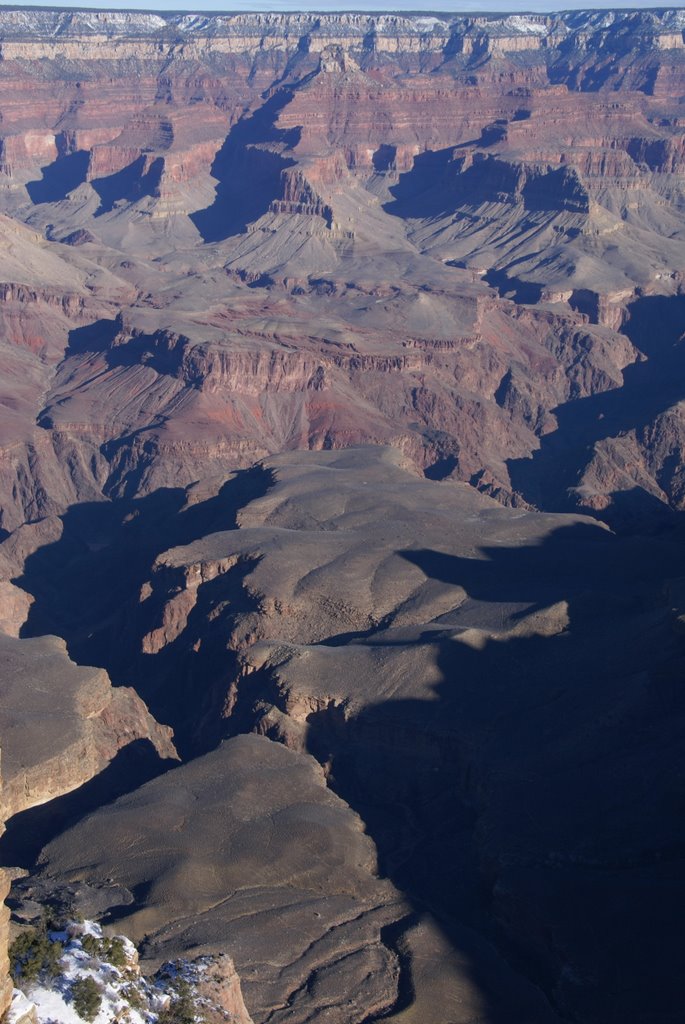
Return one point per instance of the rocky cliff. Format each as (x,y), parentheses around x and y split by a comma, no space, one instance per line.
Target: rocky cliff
(447,732)
(231,235)
(331,346)
(61,725)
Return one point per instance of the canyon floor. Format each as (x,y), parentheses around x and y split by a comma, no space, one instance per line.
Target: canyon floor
(342,561)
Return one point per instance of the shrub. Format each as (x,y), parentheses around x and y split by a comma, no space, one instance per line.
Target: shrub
(91,945)
(111,951)
(114,952)
(181,1009)
(135,998)
(31,953)
(51,920)
(86,997)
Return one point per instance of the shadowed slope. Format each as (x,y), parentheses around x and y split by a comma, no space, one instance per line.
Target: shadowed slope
(248,169)
(494,692)
(652,385)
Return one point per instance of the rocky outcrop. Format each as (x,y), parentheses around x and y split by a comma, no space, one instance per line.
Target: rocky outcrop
(5,980)
(228,253)
(394,638)
(281,845)
(61,725)
(293,853)
(14,608)
(217,984)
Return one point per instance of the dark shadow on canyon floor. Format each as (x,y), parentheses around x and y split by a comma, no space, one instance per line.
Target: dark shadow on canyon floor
(28,832)
(59,178)
(531,806)
(440,181)
(248,171)
(88,589)
(140,178)
(653,384)
(535,803)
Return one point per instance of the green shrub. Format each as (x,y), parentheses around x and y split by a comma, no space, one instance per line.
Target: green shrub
(31,953)
(114,952)
(181,1009)
(111,951)
(91,945)
(135,998)
(86,997)
(51,919)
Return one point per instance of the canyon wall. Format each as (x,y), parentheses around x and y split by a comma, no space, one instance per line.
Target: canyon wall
(428,743)
(341,405)
(229,235)
(61,725)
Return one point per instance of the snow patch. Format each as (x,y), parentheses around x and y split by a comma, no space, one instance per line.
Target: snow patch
(19,1007)
(126,994)
(428,24)
(528,26)
(674,20)
(52,997)
(192,23)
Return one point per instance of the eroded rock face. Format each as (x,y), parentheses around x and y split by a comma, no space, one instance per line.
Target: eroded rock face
(247,851)
(286,874)
(235,248)
(218,984)
(481,686)
(289,232)
(61,723)
(5,980)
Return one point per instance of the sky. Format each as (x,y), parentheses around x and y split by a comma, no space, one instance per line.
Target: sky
(448,6)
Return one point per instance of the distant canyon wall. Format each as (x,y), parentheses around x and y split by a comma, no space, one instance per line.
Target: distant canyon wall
(226,236)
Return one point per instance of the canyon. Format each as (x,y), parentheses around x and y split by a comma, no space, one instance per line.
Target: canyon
(341,503)
(229,236)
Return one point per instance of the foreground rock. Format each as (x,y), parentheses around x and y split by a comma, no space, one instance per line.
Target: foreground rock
(61,723)
(245,850)
(493,692)
(76,954)
(5,980)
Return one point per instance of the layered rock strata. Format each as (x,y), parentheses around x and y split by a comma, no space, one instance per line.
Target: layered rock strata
(229,252)
(61,724)
(455,672)
(231,239)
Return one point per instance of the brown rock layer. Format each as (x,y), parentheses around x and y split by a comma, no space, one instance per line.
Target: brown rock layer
(62,723)
(5,980)
(379,177)
(456,672)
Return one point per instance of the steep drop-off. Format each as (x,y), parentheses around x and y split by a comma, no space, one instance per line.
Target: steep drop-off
(341,384)
(228,236)
(494,693)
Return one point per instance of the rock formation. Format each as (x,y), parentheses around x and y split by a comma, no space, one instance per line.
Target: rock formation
(248,851)
(61,724)
(341,427)
(481,689)
(5,980)
(230,235)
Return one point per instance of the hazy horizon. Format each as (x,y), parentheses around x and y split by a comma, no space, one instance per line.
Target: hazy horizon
(330,6)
